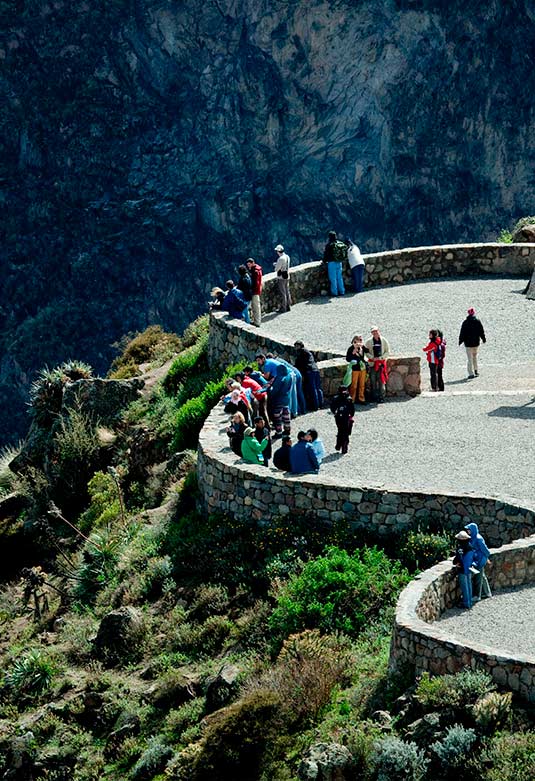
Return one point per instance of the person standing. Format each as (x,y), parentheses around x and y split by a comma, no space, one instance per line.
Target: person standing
(244,284)
(379,351)
(356,265)
(343,410)
(435,360)
(279,395)
(334,254)
(256,289)
(463,560)
(307,366)
(481,588)
(356,356)
(282,268)
(472,334)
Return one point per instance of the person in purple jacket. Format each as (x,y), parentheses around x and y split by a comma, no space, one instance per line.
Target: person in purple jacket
(481,588)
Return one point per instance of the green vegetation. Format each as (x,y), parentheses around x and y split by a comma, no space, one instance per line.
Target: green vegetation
(230,647)
(506,236)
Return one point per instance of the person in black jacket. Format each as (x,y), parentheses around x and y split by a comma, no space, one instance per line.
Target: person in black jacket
(281,457)
(343,410)
(245,285)
(472,334)
(306,364)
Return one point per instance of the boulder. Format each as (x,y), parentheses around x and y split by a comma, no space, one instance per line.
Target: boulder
(327,762)
(173,690)
(120,635)
(101,399)
(524,235)
(222,688)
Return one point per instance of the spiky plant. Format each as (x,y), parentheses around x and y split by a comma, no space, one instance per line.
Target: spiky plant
(7,477)
(76,370)
(29,675)
(46,394)
(493,710)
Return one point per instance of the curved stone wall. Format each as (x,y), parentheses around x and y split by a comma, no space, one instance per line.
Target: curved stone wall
(420,645)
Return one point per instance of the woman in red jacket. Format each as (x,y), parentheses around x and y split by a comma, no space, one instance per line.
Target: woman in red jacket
(435,359)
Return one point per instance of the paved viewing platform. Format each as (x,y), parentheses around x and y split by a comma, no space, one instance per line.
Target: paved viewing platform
(477,436)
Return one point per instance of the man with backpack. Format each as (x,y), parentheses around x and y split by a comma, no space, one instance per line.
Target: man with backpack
(472,334)
(334,254)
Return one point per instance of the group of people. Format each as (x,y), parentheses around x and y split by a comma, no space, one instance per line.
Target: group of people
(238,297)
(471,556)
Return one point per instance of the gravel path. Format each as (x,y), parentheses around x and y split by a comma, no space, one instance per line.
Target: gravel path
(506,622)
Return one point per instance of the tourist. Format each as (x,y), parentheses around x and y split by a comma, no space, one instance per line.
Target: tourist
(255,375)
(379,350)
(343,410)
(334,254)
(244,285)
(481,588)
(308,368)
(302,456)
(234,302)
(464,560)
(218,296)
(279,394)
(251,449)
(356,265)
(317,445)
(297,401)
(471,335)
(258,390)
(234,402)
(262,432)
(256,289)
(356,356)
(235,432)
(435,360)
(282,269)
(281,457)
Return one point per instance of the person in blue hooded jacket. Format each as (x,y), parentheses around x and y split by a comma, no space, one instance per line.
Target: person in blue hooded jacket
(234,303)
(480,587)
(279,394)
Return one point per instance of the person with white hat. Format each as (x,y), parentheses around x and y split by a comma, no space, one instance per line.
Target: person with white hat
(282,268)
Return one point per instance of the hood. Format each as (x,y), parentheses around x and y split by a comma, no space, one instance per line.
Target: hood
(472,529)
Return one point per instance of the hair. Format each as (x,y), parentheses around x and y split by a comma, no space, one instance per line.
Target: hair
(301,435)
(313,433)
(217,291)
(342,388)
(239,375)
(286,438)
(358,336)
(240,417)
(433,333)
(235,385)
(259,355)
(259,418)
(250,260)
(242,270)
(299,344)
(229,284)
(246,369)
(439,333)
(270,355)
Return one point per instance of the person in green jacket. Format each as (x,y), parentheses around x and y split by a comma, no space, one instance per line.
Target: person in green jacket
(251,448)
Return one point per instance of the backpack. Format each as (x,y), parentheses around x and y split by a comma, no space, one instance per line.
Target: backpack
(339,251)
(440,349)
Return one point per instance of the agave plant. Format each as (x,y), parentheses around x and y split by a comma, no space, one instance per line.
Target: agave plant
(76,370)
(7,477)
(46,394)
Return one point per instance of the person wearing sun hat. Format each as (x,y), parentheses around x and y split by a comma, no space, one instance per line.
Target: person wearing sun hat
(251,449)
(471,335)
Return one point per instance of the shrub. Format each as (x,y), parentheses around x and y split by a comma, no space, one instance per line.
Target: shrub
(493,710)
(153,759)
(76,440)
(455,747)
(7,477)
(99,560)
(511,757)
(77,633)
(105,507)
(505,237)
(191,361)
(204,639)
(394,759)
(208,600)
(453,691)
(184,718)
(196,330)
(424,549)
(338,592)
(522,222)
(29,675)
(46,392)
(153,342)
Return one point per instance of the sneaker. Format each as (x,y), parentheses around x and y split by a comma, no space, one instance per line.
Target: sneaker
(471,376)
(477,374)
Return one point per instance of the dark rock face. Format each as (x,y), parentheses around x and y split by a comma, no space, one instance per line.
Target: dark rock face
(149,145)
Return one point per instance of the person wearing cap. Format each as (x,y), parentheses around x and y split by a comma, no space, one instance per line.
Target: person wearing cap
(464,561)
(281,457)
(334,254)
(255,272)
(282,269)
(480,586)
(356,266)
(471,335)
(343,410)
(251,448)
(379,351)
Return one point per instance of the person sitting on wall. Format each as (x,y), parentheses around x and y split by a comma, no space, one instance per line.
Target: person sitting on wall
(235,432)
(281,457)
(234,303)
(317,444)
(262,432)
(258,391)
(251,449)
(218,296)
(236,403)
(464,560)
(480,588)
(302,456)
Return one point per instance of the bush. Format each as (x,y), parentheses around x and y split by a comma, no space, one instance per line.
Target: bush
(46,392)
(424,549)
(196,330)
(395,760)
(8,478)
(105,507)
(204,639)
(338,592)
(184,718)
(511,757)
(493,710)
(505,237)
(153,759)
(29,676)
(455,747)
(153,342)
(453,691)
(98,568)
(191,361)
(76,440)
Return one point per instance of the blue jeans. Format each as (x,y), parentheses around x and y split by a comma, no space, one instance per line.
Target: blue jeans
(313,391)
(334,271)
(246,314)
(465,582)
(357,275)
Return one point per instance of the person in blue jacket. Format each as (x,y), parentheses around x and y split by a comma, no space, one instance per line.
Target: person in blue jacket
(268,365)
(464,560)
(279,394)
(480,587)
(234,303)
(302,456)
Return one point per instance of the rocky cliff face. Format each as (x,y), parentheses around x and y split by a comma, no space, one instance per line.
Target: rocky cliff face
(148,146)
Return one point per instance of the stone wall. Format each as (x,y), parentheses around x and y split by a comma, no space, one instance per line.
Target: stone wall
(405,265)
(247,491)
(419,645)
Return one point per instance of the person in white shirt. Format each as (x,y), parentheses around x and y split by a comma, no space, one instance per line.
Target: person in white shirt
(282,267)
(357,266)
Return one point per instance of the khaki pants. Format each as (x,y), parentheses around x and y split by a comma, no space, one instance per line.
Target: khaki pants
(471,354)
(358,383)
(256,310)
